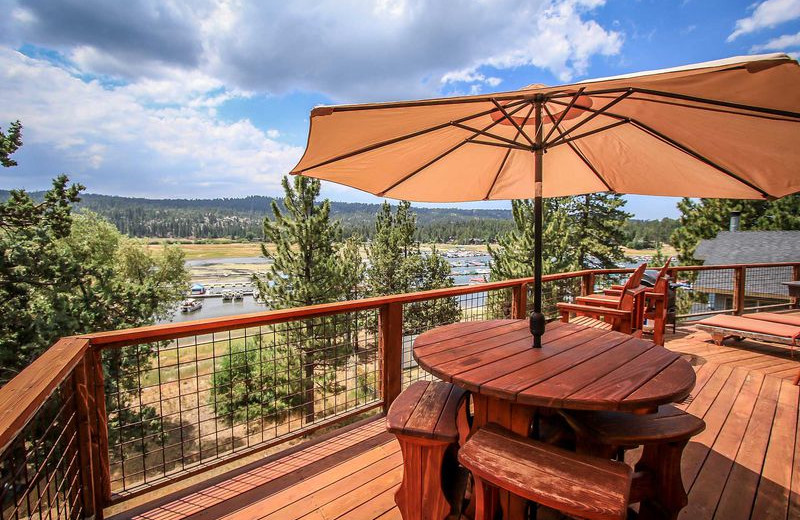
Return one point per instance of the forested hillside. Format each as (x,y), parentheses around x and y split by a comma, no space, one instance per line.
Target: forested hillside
(241,219)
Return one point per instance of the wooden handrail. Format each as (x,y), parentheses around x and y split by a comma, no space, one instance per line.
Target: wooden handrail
(711,267)
(21,397)
(123,337)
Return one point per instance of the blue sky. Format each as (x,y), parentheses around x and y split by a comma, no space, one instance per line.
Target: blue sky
(210,98)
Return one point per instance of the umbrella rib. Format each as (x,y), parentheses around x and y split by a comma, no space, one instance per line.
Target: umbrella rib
(487,134)
(694,99)
(501,145)
(369,148)
(562,139)
(580,154)
(599,111)
(727,104)
(675,144)
(449,151)
(720,110)
(655,133)
(514,96)
(563,114)
(513,122)
(505,158)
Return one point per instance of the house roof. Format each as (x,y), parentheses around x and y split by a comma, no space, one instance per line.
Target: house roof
(743,247)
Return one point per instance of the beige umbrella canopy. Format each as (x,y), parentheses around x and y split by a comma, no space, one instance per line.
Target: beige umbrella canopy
(725,129)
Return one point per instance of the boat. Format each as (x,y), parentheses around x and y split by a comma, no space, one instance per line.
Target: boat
(197,289)
(238,296)
(227,296)
(478,279)
(191,305)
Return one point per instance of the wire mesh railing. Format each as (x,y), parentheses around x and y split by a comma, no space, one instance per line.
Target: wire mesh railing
(765,288)
(706,290)
(553,292)
(178,404)
(41,470)
(701,293)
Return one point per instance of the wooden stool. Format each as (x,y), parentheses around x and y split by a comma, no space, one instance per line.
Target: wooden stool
(429,419)
(664,435)
(574,484)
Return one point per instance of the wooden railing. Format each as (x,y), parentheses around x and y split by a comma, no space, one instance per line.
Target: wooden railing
(102,417)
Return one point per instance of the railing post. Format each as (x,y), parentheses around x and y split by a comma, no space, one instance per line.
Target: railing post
(84,414)
(519,301)
(99,430)
(796,278)
(390,346)
(739,280)
(587,284)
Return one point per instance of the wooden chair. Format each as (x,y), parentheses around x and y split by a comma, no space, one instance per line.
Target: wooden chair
(655,301)
(664,434)
(574,484)
(625,314)
(430,419)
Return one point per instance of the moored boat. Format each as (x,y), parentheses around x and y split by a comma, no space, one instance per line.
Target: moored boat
(191,305)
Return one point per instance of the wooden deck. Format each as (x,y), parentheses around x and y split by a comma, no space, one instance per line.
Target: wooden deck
(746,464)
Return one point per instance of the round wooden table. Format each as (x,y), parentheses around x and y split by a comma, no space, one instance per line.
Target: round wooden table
(577,368)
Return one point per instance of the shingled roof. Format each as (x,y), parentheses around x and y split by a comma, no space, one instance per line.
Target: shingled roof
(744,247)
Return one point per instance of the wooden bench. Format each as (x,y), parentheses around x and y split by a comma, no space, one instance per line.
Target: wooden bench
(664,434)
(429,419)
(722,327)
(574,484)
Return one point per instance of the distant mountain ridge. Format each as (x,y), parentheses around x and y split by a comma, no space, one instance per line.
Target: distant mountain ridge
(241,218)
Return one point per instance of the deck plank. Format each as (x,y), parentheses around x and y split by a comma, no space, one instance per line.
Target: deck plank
(736,502)
(708,486)
(772,500)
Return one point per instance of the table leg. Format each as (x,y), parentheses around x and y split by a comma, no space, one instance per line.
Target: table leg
(663,461)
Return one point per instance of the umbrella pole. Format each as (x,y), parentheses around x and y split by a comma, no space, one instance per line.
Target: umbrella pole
(537,323)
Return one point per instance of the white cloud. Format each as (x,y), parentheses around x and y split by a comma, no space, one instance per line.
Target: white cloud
(780,43)
(90,127)
(768,13)
(349,50)
(554,37)
(393,50)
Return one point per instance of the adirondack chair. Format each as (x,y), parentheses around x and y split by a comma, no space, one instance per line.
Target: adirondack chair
(623,314)
(655,301)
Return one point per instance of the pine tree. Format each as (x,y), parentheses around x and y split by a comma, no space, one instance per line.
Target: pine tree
(596,230)
(9,143)
(308,268)
(397,266)
(513,256)
(705,218)
(582,232)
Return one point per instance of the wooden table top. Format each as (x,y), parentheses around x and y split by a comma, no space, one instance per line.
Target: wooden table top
(577,367)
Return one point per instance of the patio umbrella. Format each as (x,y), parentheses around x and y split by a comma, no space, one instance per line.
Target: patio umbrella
(721,129)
